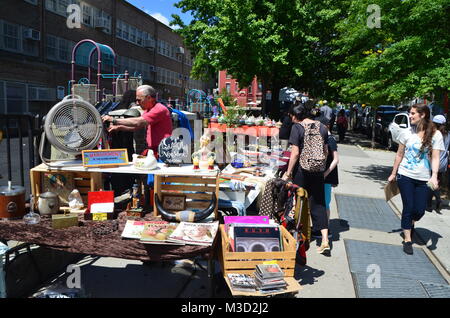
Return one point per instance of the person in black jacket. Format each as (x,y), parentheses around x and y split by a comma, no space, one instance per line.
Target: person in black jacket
(121,182)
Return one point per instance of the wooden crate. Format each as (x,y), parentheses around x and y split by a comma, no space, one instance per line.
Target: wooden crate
(245,263)
(194,187)
(83,181)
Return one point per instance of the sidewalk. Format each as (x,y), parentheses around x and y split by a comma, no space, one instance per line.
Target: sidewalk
(362,172)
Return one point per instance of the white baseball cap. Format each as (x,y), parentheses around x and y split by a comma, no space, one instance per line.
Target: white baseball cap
(439,119)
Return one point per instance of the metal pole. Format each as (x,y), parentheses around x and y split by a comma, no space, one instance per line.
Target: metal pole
(22,179)
(8,149)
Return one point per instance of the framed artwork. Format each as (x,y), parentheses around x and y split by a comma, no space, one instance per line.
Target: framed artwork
(174,202)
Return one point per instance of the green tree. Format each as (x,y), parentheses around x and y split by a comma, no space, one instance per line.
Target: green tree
(282,42)
(407,56)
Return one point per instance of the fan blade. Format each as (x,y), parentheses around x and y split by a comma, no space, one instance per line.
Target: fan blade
(73,139)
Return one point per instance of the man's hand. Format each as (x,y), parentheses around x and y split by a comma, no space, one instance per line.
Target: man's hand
(113,128)
(106,118)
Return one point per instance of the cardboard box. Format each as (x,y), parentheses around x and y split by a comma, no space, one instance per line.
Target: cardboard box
(62,221)
(102,202)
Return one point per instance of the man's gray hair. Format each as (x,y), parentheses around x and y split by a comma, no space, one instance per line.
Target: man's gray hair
(147,90)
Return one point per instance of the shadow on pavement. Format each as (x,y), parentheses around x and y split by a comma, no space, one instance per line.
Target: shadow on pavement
(377,173)
(426,236)
(306,275)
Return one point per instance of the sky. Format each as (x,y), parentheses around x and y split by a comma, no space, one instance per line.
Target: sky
(161,9)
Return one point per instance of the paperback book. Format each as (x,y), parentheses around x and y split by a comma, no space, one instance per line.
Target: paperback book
(133,229)
(195,233)
(158,233)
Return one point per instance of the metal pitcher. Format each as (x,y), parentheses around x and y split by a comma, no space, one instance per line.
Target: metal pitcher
(48,203)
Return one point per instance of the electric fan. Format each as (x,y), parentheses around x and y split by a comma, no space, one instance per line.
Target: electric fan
(71,126)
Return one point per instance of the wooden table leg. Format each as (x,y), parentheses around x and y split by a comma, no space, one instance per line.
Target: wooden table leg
(212,285)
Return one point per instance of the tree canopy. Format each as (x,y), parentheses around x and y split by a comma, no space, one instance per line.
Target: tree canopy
(408,55)
(329,48)
(282,42)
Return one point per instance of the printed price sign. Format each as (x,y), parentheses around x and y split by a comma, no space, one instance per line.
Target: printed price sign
(105,158)
(99,216)
(175,150)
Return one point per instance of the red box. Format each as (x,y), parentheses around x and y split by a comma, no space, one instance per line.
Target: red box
(99,197)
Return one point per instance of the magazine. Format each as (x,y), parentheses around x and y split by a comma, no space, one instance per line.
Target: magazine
(157,232)
(133,229)
(195,233)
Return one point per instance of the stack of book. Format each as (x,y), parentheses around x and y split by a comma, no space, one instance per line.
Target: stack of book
(269,278)
(242,282)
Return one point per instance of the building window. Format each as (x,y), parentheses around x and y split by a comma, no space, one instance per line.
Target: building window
(11,37)
(88,14)
(119,29)
(15,98)
(32,1)
(2,98)
(228,76)
(250,90)
(132,34)
(228,86)
(52,47)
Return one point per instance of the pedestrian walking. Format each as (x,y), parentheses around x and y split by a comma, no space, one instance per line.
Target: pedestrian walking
(309,139)
(342,124)
(440,122)
(416,168)
(331,173)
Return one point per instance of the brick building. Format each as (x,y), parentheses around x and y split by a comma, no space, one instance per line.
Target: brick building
(36,45)
(246,96)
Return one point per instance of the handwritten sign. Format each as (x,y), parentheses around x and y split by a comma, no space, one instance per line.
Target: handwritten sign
(175,149)
(104,158)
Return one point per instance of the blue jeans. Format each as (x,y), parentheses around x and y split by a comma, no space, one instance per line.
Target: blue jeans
(414,195)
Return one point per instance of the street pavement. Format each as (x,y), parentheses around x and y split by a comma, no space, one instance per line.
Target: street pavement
(362,172)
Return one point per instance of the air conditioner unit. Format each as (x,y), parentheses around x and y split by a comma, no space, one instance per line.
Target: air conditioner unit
(31,34)
(42,94)
(101,23)
(180,50)
(149,44)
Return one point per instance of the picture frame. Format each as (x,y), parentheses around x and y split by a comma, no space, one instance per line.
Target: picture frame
(175,202)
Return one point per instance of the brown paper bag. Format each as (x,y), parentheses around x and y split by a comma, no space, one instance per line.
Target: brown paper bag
(391,190)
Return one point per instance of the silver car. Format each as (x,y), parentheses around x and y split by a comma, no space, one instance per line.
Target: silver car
(398,124)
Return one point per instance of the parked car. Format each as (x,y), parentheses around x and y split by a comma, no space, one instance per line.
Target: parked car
(398,124)
(383,120)
(382,109)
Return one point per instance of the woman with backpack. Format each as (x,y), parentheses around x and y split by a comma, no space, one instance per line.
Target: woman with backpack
(416,168)
(309,139)
(440,122)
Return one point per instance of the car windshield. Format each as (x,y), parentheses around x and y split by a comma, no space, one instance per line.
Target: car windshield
(388,117)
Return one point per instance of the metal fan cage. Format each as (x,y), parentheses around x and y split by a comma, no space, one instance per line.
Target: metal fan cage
(73,125)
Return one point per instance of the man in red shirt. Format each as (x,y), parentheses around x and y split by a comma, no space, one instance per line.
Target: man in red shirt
(156,118)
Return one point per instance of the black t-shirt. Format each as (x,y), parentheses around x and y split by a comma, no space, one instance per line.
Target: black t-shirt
(298,134)
(332,178)
(286,127)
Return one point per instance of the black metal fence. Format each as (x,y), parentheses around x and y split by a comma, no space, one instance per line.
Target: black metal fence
(18,148)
